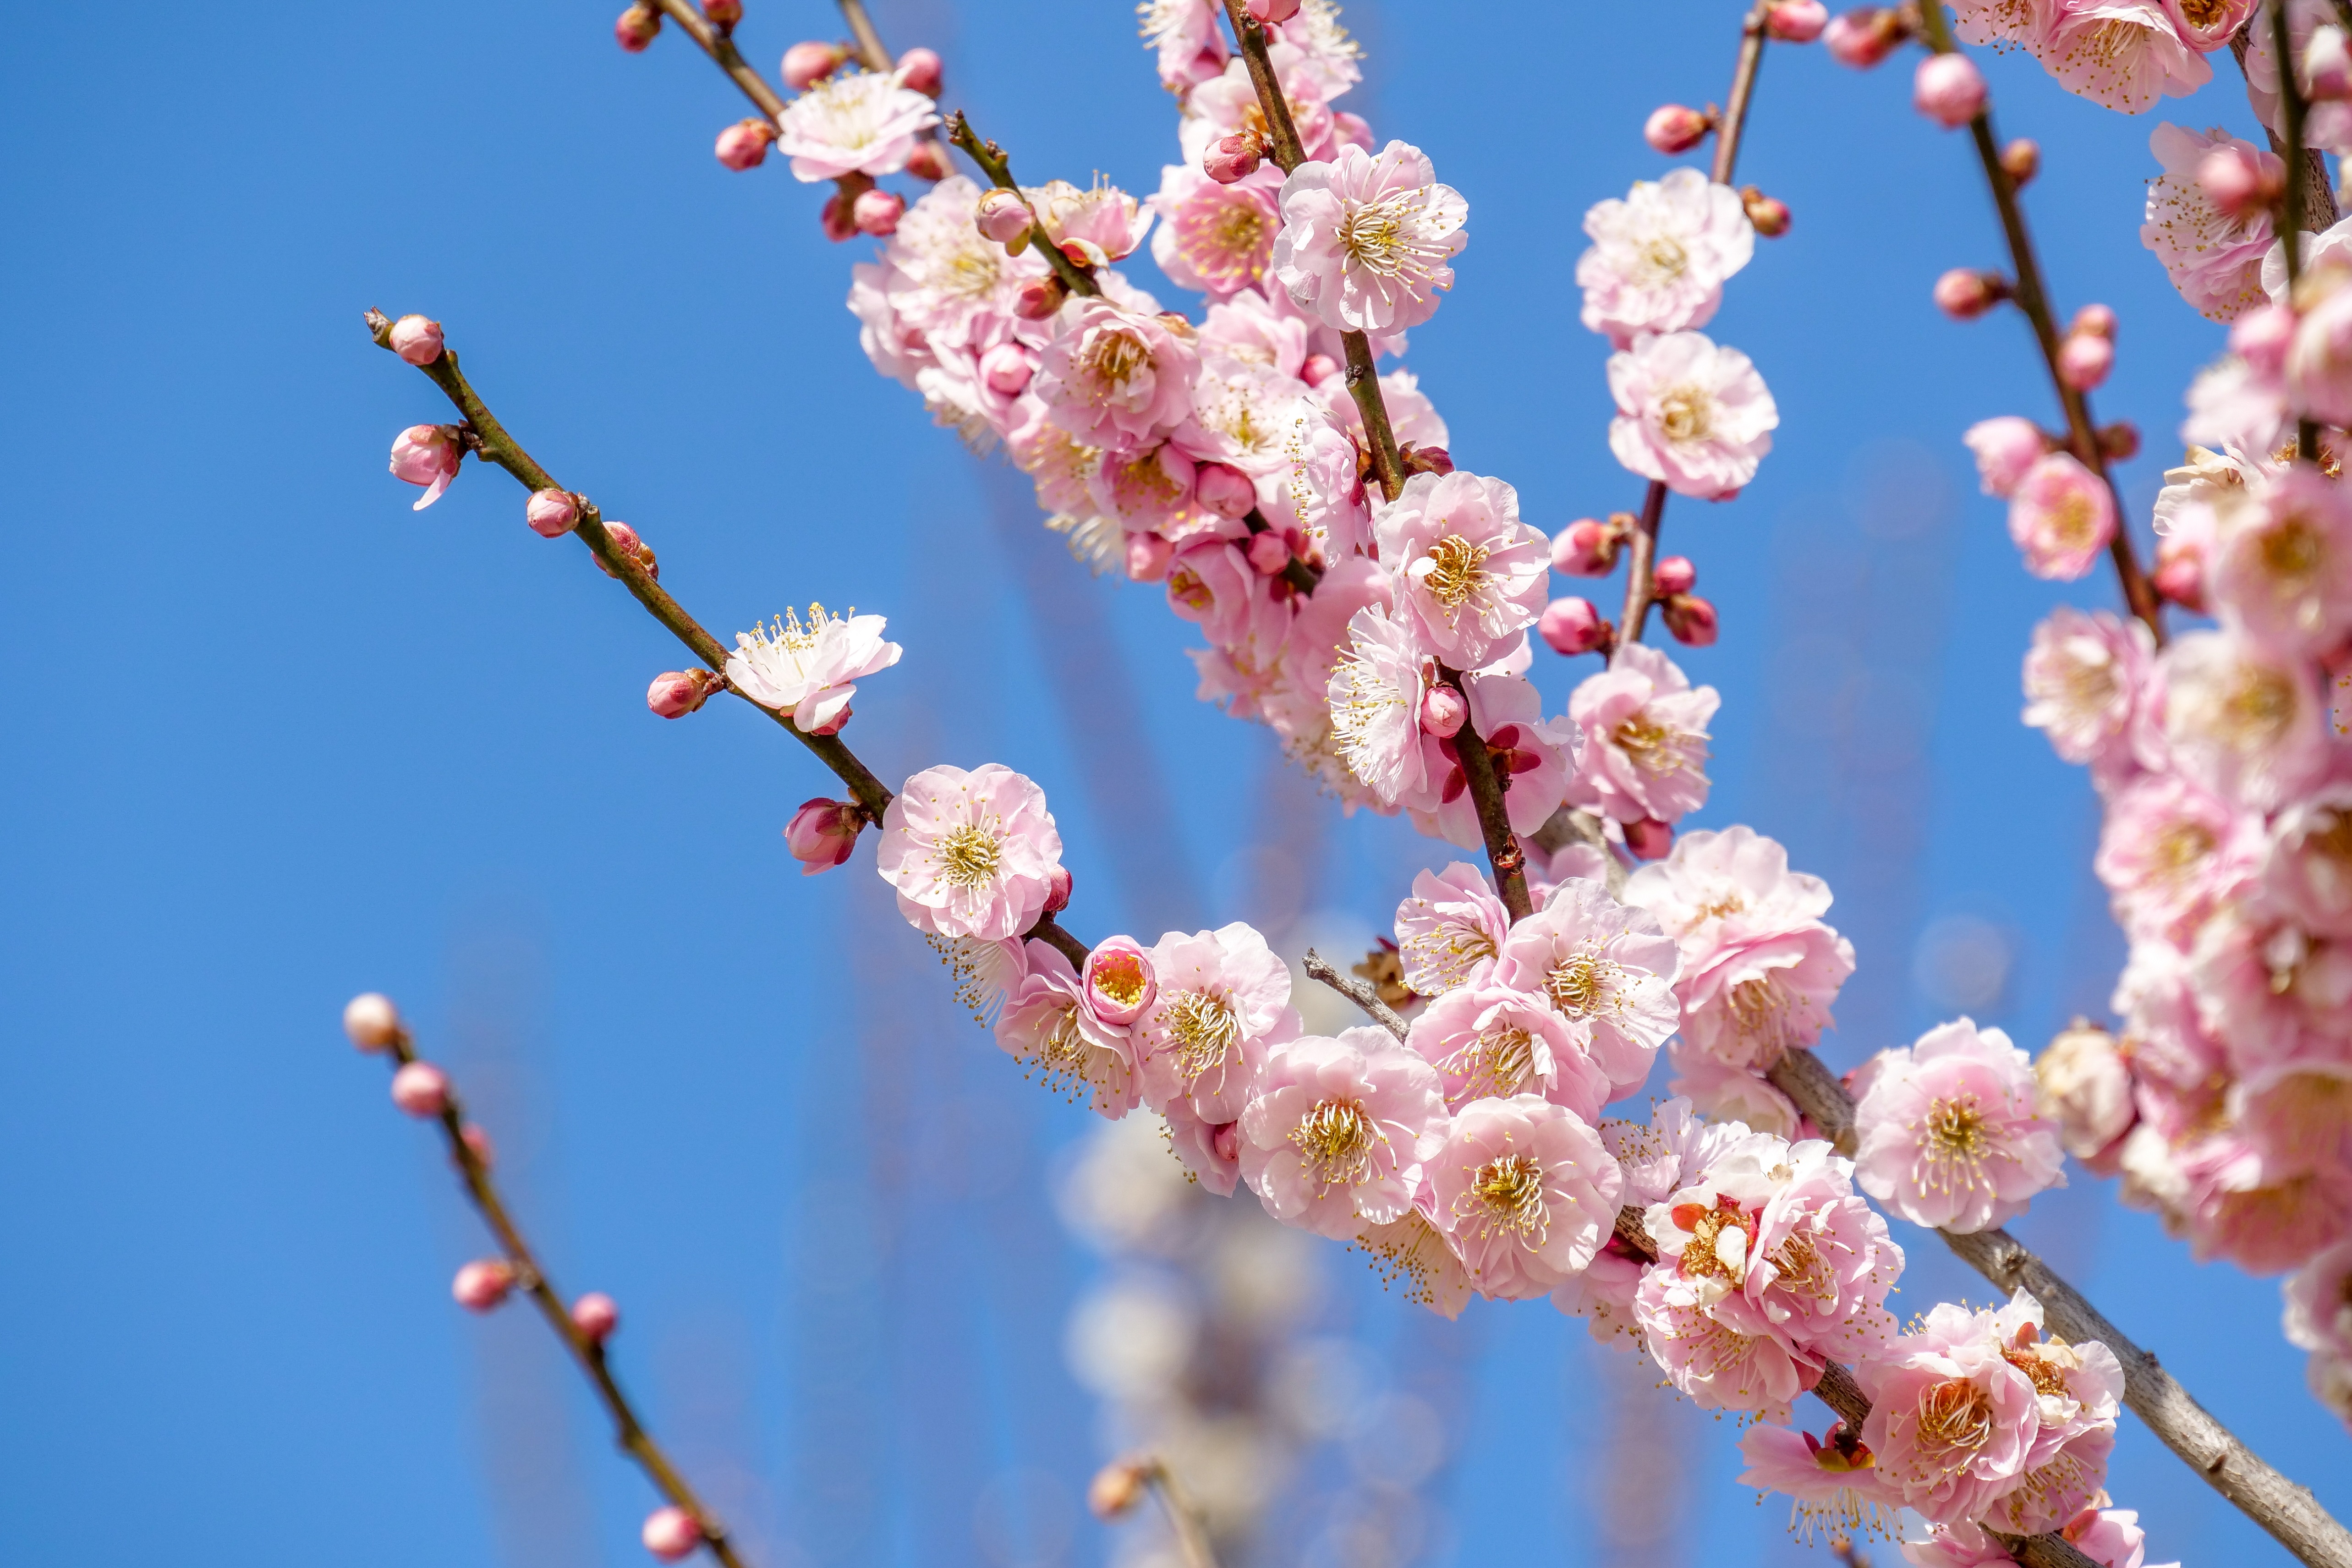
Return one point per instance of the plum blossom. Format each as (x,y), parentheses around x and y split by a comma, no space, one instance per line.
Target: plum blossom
(854,122)
(1729,1094)
(2308,866)
(1705,1234)
(2233,403)
(1532,755)
(1366,239)
(1645,740)
(2282,564)
(1689,414)
(2006,447)
(1223,999)
(810,671)
(2318,1297)
(1210,1151)
(1489,1042)
(2215,260)
(1450,931)
(1337,1132)
(427,455)
(1832,1481)
(1952,1421)
(1949,1136)
(1375,694)
(1470,575)
(1093,227)
(1607,968)
(2120,54)
(1186,37)
(1048,1025)
(2170,852)
(972,854)
(2239,720)
(1113,377)
(1659,256)
(2083,1088)
(1414,1253)
(1218,239)
(2061,516)
(1821,1260)
(1227,104)
(2084,680)
(1525,1193)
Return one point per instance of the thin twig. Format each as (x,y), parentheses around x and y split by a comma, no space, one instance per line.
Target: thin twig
(728,57)
(1641,568)
(1183,1517)
(588,1353)
(870,42)
(1487,787)
(2293,110)
(998,167)
(1319,968)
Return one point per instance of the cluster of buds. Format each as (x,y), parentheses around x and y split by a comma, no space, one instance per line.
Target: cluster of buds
(1690,618)
(1864,38)
(1948,89)
(857,205)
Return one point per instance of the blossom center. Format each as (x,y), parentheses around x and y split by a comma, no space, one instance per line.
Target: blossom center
(1374,236)
(1457,571)
(1954,1420)
(1652,746)
(1495,1064)
(969,854)
(1120,978)
(2073,521)
(1509,1195)
(1206,1030)
(2260,706)
(1760,1008)
(1582,984)
(1449,949)
(1112,358)
(1665,257)
(2293,552)
(2335,840)
(2179,846)
(2047,1377)
(2204,14)
(1687,413)
(1336,1140)
(1718,1249)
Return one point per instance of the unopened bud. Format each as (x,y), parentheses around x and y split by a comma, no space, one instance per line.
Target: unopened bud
(1588,547)
(477,1143)
(2085,359)
(372,1021)
(929,161)
(1690,618)
(637,28)
(2083,1087)
(482,1285)
(1318,369)
(1001,216)
(1964,293)
(1119,980)
(596,1315)
(723,13)
(2097,320)
(1268,553)
(1676,128)
(625,540)
(1118,1487)
(2119,442)
(671,1534)
(2242,181)
(421,1090)
(417,339)
(2021,160)
(744,144)
(1650,839)
(675,693)
(1673,575)
(838,218)
(1443,711)
(1234,157)
(1948,89)
(1007,369)
(808,63)
(1572,626)
(1767,216)
(1225,1140)
(1057,891)
(1424,459)
(1862,39)
(2327,65)
(2179,575)
(877,211)
(1228,492)
(1148,555)
(920,68)
(823,832)
(1039,298)
(1269,12)
(1797,21)
(551,513)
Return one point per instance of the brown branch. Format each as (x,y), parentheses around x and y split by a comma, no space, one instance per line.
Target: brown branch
(1743,89)
(1295,572)
(998,167)
(2288,1512)
(1183,1517)
(588,1353)
(728,57)
(2292,198)
(1486,789)
(1318,967)
(870,42)
(2318,196)
(1641,568)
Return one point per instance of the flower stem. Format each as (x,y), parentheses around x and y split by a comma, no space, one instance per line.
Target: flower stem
(870,42)
(1183,1518)
(1640,567)
(1493,816)
(998,167)
(728,57)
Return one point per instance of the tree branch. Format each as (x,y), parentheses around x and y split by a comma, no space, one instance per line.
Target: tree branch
(728,59)
(1319,968)
(998,167)
(1486,794)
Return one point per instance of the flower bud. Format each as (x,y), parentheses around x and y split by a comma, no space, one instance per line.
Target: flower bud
(1797,21)
(1948,89)
(810,63)
(1225,1140)
(2085,359)
(1573,625)
(675,693)
(723,13)
(1424,459)
(417,339)
(2119,442)
(2097,320)
(1148,555)
(823,832)
(2021,160)
(1057,891)
(1862,39)
(671,1534)
(427,455)
(1767,216)
(921,69)
(2261,337)
(2242,181)
(1228,492)
(625,540)
(1649,839)
(929,161)
(477,1143)
(1588,547)
(1964,293)
(2179,575)
(1117,1488)
(1444,712)
(1673,575)
(2327,65)
(877,211)
(1318,369)
(838,218)
(1039,298)
(744,144)
(421,1090)
(1268,554)
(1269,12)
(1673,127)
(551,513)
(1007,368)
(483,1284)
(596,1315)
(2005,447)
(1234,157)
(372,1021)
(1001,216)
(2082,1086)
(1119,981)
(637,28)
(1690,618)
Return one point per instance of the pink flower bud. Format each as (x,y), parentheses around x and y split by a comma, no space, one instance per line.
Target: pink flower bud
(372,1021)
(1038,298)
(675,693)
(596,1315)
(1573,625)
(483,1284)
(1767,216)
(1119,981)
(1269,12)
(427,455)
(808,63)
(823,832)
(877,211)
(1117,1488)
(1148,555)
(1007,368)
(1588,547)
(1444,712)
(671,1534)
(2085,359)
(1649,839)
(929,161)
(2119,442)
(625,539)
(2098,321)
(1673,575)
(1057,891)
(744,144)
(1228,492)
(2005,448)
(2180,573)
(2261,337)
(1964,293)
(421,1090)
(2327,65)
(1225,1141)
(1234,157)
(1797,21)
(2241,181)
(1690,618)
(838,219)
(477,1143)
(1948,89)
(1268,554)
(920,68)
(1318,369)
(1673,127)
(1418,459)
(637,28)
(724,12)
(1862,39)
(417,339)
(1001,216)
(551,513)
(2021,160)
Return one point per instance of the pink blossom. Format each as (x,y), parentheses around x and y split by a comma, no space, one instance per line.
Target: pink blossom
(2083,1088)
(1450,931)
(1149,490)
(1217,237)
(671,1533)
(1491,1043)
(1731,1094)
(2239,720)
(1660,257)
(1375,694)
(1256,329)
(2086,677)
(2282,567)
(1715,1364)
(1948,1133)
(1224,997)
(2318,366)
(2170,852)
(2119,54)
(2233,403)
(1335,1136)
(1048,1025)
(1210,1151)
(1227,103)
(1530,756)
(1832,1481)
(1957,1546)
(1645,738)
(2110,1537)
(1365,240)
(1187,38)
(1115,377)
(1952,1421)
(810,672)
(1093,227)
(2061,515)
(427,455)
(2213,258)
(2308,867)
(1525,1193)
(1608,970)
(2235,1204)
(2006,449)
(972,854)
(1689,414)
(1251,417)
(2319,1302)
(862,122)
(1471,576)
(1412,1252)
(1821,1262)
(823,832)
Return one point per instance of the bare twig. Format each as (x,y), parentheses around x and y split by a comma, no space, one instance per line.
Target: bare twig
(870,51)
(1183,1516)
(1319,968)
(727,58)
(1640,567)
(998,167)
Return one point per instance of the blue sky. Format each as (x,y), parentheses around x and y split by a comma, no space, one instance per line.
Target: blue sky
(279,739)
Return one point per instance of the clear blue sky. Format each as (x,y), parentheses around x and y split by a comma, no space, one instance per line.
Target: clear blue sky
(276,739)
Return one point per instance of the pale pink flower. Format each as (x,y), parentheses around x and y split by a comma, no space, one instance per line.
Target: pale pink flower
(1093,227)
(2001,23)
(1660,257)
(1242,671)
(1299,711)
(1227,103)
(2294,1106)
(1525,1193)
(1115,377)
(1061,466)
(946,280)
(1532,756)
(1335,1136)
(1255,329)
(1831,1481)
(2308,863)
(1952,1421)
(1948,1133)
(427,455)
(1218,239)
(2282,565)
(1224,998)
(1715,1364)
(1471,576)
(1450,931)
(1957,1546)
(1375,694)
(2239,720)
(1149,489)
(1251,417)
(2084,679)
(1210,1151)
(2318,365)
(1608,970)
(1689,414)
(2083,1088)
(2233,1205)
(2120,54)
(1048,1026)
(2170,852)
(1731,1094)
(2318,1298)
(1413,1255)
(1820,1263)
(2214,260)
(972,854)
(1490,1043)
(2110,1537)
(2233,403)
(1365,240)
(811,672)
(864,123)
(1187,38)
(1645,738)
(2061,516)
(2006,448)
